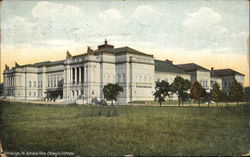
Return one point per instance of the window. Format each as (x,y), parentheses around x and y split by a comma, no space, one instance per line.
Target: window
(29,93)
(41,84)
(145,79)
(34,93)
(34,83)
(205,83)
(30,84)
(141,79)
(55,82)
(225,84)
(137,78)
(51,82)
(48,83)
(123,77)
(119,77)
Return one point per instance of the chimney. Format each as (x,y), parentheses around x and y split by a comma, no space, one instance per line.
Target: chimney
(212,70)
(169,61)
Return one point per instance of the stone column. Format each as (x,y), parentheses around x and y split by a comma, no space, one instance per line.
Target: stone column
(7,81)
(57,81)
(75,74)
(11,81)
(80,75)
(70,75)
(85,74)
(14,81)
(67,76)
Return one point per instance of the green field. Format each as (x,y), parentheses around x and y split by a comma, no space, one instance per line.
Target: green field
(120,130)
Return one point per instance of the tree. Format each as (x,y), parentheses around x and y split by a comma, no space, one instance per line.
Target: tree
(224,97)
(197,92)
(247,94)
(207,97)
(216,93)
(111,91)
(180,86)
(236,92)
(1,89)
(162,90)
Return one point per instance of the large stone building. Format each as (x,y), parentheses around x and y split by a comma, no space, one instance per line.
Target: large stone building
(82,77)
(227,77)
(201,74)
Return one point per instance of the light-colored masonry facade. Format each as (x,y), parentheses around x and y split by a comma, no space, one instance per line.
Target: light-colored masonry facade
(83,77)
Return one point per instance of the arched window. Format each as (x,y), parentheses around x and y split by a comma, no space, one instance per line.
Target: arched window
(119,78)
(93,76)
(111,78)
(137,78)
(55,82)
(145,79)
(141,79)
(108,78)
(123,78)
(51,82)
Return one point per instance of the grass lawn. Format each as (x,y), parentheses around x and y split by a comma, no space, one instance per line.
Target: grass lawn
(120,130)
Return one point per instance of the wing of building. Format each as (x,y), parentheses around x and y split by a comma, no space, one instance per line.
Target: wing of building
(84,76)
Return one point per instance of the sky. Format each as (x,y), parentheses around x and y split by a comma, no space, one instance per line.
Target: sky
(212,33)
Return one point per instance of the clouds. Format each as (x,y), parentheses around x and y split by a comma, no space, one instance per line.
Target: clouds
(17,23)
(143,11)
(16,30)
(205,28)
(202,19)
(55,11)
(159,24)
(241,35)
(110,15)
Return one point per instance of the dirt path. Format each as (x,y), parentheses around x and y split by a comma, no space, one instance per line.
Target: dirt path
(32,101)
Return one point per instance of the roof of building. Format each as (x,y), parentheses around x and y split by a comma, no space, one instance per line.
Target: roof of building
(225,72)
(167,66)
(131,50)
(45,63)
(191,67)
(60,62)
(41,63)
(105,45)
(121,50)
